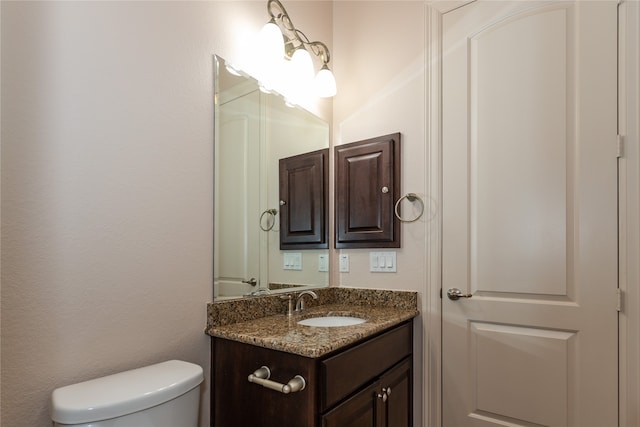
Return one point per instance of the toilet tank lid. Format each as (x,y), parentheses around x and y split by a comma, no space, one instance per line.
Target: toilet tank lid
(124,393)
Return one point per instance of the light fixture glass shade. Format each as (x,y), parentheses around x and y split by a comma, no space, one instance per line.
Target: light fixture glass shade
(302,67)
(325,83)
(271,42)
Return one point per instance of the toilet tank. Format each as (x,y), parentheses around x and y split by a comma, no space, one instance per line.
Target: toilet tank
(163,395)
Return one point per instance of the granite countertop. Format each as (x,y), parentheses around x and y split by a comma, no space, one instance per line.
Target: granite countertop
(271,328)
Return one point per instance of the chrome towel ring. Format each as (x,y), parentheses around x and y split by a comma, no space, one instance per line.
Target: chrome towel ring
(272,215)
(412,197)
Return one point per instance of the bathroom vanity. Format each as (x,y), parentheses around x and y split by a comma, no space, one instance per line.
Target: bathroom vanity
(358,375)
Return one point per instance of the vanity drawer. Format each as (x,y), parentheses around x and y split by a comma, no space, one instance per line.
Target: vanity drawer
(346,372)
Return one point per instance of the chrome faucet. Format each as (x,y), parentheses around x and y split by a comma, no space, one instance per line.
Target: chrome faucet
(289,299)
(300,299)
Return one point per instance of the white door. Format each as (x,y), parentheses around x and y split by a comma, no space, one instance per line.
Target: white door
(237,195)
(529,214)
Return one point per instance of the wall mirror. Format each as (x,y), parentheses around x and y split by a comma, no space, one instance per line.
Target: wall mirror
(254,130)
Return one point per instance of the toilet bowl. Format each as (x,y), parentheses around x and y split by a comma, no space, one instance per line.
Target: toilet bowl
(163,395)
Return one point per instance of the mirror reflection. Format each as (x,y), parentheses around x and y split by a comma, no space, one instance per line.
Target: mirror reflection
(254,131)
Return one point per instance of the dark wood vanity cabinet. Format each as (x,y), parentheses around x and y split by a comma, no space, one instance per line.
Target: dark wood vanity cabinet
(368,384)
(367,186)
(304,190)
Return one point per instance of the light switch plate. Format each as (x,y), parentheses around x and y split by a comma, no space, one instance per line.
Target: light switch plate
(292,261)
(382,262)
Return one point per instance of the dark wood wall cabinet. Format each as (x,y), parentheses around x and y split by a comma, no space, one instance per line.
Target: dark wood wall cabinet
(304,186)
(367,185)
(366,385)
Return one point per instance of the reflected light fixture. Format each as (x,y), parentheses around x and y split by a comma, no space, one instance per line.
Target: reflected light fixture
(279,39)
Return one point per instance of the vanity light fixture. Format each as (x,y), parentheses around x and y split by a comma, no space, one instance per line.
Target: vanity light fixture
(279,39)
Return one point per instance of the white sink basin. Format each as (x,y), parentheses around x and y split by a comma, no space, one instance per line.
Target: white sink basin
(331,321)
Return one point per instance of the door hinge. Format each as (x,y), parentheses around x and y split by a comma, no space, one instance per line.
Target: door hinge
(619,299)
(620,146)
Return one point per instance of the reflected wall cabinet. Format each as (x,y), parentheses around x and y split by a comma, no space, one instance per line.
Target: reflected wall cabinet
(367,185)
(304,182)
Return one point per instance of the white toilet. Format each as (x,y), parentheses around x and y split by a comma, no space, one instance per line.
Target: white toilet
(162,395)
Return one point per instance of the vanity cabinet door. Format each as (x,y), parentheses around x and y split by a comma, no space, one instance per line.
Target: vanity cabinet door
(303,201)
(397,385)
(387,402)
(360,410)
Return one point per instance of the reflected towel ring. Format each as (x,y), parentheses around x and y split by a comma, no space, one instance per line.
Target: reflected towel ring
(272,213)
(412,197)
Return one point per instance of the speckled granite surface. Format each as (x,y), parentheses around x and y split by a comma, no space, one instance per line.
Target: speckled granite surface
(262,321)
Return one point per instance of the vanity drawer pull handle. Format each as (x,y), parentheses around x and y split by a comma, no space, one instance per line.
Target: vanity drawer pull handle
(261,376)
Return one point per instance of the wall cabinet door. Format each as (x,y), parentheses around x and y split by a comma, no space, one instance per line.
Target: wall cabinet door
(303,201)
(367,187)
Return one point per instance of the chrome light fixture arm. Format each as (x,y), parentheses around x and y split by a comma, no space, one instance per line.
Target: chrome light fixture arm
(295,38)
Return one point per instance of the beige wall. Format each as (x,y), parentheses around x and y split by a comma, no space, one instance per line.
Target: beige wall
(107,127)
(380,65)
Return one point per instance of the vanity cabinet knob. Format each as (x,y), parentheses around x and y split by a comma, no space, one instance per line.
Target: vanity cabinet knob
(386,392)
(383,395)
